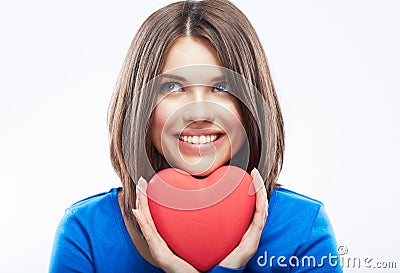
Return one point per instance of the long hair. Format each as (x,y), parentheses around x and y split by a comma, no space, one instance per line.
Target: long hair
(230,33)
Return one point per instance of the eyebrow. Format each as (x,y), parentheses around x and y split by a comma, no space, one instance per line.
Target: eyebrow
(172,76)
(219,78)
(180,78)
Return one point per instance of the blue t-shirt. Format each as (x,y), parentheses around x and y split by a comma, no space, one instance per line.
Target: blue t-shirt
(297,237)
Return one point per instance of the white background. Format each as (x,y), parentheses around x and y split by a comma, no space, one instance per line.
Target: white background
(335,66)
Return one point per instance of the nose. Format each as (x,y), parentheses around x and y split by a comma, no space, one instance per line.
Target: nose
(198,108)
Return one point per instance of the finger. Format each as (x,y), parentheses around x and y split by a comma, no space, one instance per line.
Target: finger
(261,190)
(251,238)
(159,249)
(260,215)
(137,197)
(138,191)
(144,226)
(141,190)
(257,224)
(259,185)
(261,212)
(246,234)
(156,244)
(258,182)
(141,196)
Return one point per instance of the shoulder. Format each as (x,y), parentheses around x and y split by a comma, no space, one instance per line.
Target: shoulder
(92,213)
(289,201)
(91,200)
(92,217)
(297,226)
(87,236)
(296,216)
(293,214)
(95,203)
(289,195)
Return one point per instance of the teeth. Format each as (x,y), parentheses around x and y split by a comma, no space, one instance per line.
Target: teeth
(199,139)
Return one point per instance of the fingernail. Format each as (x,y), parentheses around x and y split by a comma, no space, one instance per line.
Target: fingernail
(142,182)
(137,189)
(137,216)
(251,187)
(142,185)
(134,211)
(252,190)
(257,182)
(253,171)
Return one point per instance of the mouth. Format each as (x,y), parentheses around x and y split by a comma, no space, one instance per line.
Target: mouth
(200,139)
(202,136)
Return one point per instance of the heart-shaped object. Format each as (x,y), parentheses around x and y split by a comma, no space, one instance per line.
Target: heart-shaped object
(202,220)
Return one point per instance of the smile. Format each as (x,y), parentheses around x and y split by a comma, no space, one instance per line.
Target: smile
(191,142)
(200,139)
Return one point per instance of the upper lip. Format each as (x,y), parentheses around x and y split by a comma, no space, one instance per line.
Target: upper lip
(200,132)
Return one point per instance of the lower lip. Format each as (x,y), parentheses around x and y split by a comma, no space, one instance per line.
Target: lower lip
(188,147)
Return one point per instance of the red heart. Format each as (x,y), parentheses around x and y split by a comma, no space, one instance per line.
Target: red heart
(202,220)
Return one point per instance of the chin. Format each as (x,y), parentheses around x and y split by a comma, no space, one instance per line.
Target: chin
(200,171)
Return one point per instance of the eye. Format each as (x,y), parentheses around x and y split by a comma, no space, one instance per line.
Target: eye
(221,87)
(170,87)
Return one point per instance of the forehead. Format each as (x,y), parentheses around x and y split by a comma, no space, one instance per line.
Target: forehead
(189,51)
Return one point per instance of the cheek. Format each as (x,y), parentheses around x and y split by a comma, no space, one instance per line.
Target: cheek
(160,115)
(234,121)
(238,133)
(165,119)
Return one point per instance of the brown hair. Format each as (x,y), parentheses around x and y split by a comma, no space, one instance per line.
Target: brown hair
(228,30)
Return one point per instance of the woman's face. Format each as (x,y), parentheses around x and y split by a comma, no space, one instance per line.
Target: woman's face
(197,124)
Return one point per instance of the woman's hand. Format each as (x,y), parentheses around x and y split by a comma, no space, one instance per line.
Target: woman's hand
(159,249)
(250,240)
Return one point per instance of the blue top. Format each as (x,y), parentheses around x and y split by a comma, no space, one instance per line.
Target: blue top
(297,237)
